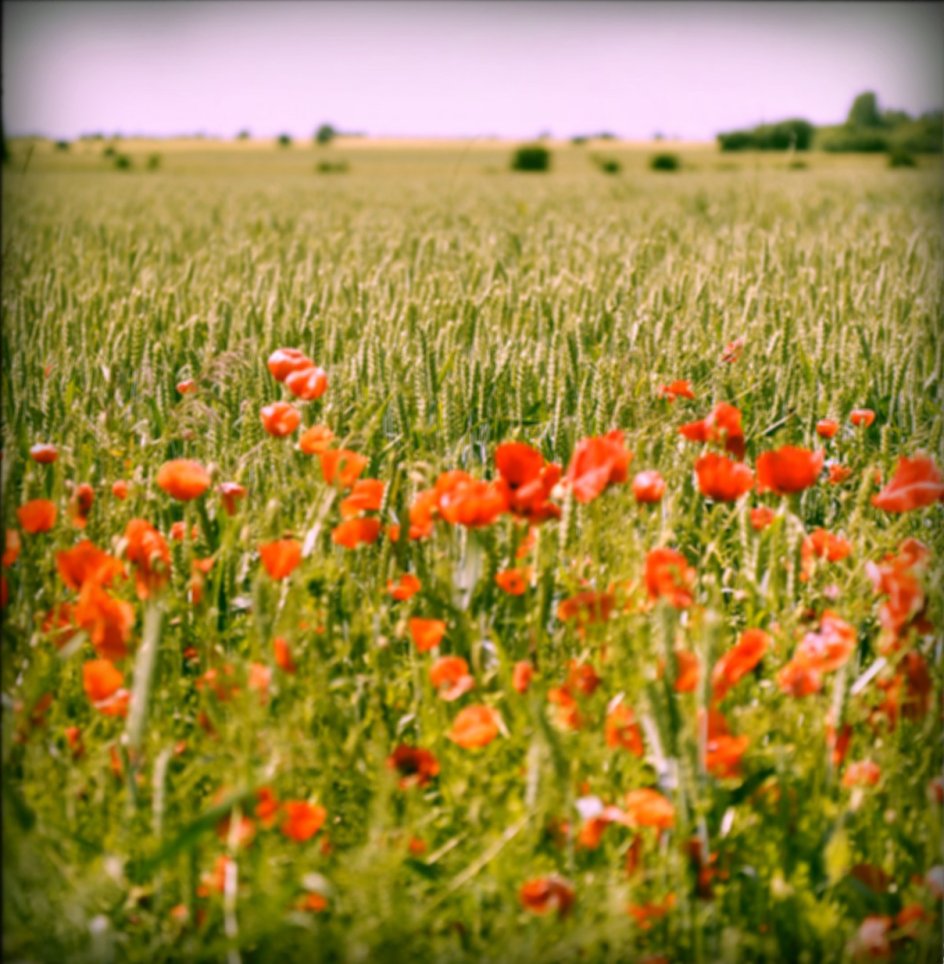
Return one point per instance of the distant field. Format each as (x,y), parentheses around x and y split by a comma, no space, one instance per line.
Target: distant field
(649,796)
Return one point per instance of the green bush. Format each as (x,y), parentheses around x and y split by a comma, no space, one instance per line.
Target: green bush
(845,140)
(899,157)
(531,157)
(325,135)
(62,146)
(108,151)
(122,162)
(665,162)
(153,162)
(608,165)
(332,167)
(793,134)
(284,140)
(243,135)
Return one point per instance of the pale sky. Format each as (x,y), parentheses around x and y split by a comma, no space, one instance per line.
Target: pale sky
(458,67)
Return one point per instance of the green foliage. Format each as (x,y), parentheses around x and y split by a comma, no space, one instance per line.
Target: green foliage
(863,140)
(864,111)
(62,146)
(531,157)
(664,162)
(786,135)
(123,162)
(284,140)
(608,165)
(153,162)
(243,135)
(899,157)
(332,167)
(325,135)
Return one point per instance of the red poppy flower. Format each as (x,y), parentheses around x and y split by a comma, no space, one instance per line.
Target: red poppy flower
(529,480)
(788,469)
(761,517)
(723,751)
(11,547)
(621,730)
(917,483)
(146,549)
(178,531)
(648,808)
(827,427)
(829,648)
(597,463)
(721,479)
(302,819)
(416,766)
(183,479)
(739,660)
(546,894)
(355,532)
(315,440)
(44,453)
(838,473)
(102,684)
(423,511)
(280,418)
(474,727)
(732,350)
(677,389)
(799,679)
(823,545)
(521,676)
(863,773)
(648,486)
(470,502)
(450,675)
(81,504)
(688,671)
(283,361)
(107,620)
(722,426)
(119,490)
(669,577)
(86,562)
(862,416)
(513,581)
(654,910)
(366,496)
(404,588)
(282,653)
(587,607)
(37,516)
(341,467)
(426,633)
(230,494)
(281,557)
(307,384)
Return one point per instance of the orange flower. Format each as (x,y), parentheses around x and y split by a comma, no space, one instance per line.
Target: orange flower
(302,820)
(722,426)
(283,361)
(81,504)
(688,671)
(581,677)
(648,486)
(102,684)
(107,620)
(355,532)
(862,416)
(450,675)
(406,587)
(307,384)
(146,549)
(37,516)
(470,502)
(917,483)
(11,547)
(723,751)
(738,661)
(281,557)
(341,467)
(366,496)
(721,479)
(655,910)
(542,895)
(621,730)
(267,807)
(864,773)
(828,649)
(426,633)
(669,577)
(187,387)
(648,808)
(732,350)
(827,427)
(183,479)
(415,765)
(230,494)
(798,679)
(283,655)
(86,562)
(587,607)
(44,453)
(513,581)
(529,480)
(677,389)
(597,463)
(823,545)
(280,418)
(761,517)
(838,473)
(522,675)
(788,469)
(119,490)
(178,531)
(313,902)
(315,440)
(475,726)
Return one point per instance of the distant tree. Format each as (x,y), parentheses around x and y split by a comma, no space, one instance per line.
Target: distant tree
(864,111)
(122,162)
(606,136)
(325,135)
(62,145)
(900,157)
(795,134)
(664,162)
(243,135)
(579,139)
(531,157)
(608,165)
(284,140)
